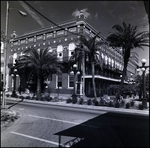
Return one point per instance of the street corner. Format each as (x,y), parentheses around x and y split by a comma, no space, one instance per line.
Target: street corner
(8,116)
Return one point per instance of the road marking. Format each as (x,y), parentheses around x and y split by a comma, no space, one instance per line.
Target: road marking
(63,121)
(21,109)
(43,140)
(54,119)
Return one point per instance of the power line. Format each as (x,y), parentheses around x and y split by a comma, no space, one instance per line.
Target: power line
(48,19)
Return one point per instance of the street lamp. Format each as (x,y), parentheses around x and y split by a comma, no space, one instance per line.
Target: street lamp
(5,50)
(143,69)
(75,72)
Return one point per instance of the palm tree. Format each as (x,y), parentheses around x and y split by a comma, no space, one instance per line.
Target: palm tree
(41,61)
(88,47)
(127,37)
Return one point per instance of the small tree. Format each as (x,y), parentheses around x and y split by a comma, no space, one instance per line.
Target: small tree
(128,38)
(40,60)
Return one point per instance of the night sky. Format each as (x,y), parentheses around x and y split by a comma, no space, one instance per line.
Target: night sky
(102,16)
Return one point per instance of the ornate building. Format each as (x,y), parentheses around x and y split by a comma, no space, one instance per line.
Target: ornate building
(61,40)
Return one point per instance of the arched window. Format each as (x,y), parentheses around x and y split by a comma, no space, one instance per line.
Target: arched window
(72,46)
(112,62)
(109,61)
(102,56)
(60,52)
(97,54)
(2,47)
(14,57)
(50,49)
(105,59)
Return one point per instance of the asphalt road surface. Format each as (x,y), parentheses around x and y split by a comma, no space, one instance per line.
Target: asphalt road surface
(41,125)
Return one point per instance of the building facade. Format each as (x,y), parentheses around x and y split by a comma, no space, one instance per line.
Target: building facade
(62,40)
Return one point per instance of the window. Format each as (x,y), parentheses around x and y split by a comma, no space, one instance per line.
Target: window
(50,49)
(60,52)
(70,81)
(59,80)
(98,53)
(71,49)
(112,63)
(102,56)
(14,57)
(2,47)
(105,59)
(109,60)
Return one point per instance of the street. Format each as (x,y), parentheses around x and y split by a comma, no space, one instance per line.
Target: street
(40,125)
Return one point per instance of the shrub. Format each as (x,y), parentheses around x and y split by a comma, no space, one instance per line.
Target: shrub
(69,100)
(117,105)
(96,103)
(110,104)
(14,95)
(7,95)
(32,98)
(74,99)
(27,97)
(127,105)
(89,102)
(81,101)
(122,102)
(21,97)
(140,106)
(42,98)
(102,102)
(132,103)
(36,98)
(48,98)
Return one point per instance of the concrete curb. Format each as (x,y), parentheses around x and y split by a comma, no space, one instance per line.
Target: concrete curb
(98,108)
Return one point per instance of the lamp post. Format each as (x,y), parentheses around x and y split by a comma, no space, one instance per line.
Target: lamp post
(5,50)
(75,72)
(143,69)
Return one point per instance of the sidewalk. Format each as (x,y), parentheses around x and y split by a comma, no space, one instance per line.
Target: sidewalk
(91,107)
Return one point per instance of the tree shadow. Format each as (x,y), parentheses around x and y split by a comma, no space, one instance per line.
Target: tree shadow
(109,130)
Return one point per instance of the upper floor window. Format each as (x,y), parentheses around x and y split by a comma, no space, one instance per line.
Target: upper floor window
(72,46)
(60,52)
(14,57)
(2,47)
(106,59)
(50,49)
(97,54)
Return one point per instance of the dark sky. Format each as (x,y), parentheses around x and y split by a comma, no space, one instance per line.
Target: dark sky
(103,15)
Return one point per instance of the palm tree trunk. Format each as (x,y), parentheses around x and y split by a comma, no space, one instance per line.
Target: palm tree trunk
(83,69)
(124,73)
(93,79)
(39,84)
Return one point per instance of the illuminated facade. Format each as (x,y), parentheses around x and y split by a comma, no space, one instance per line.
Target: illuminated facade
(62,41)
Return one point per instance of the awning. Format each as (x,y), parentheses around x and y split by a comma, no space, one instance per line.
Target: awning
(104,78)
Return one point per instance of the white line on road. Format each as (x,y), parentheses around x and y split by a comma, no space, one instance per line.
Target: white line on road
(54,119)
(21,109)
(62,121)
(51,142)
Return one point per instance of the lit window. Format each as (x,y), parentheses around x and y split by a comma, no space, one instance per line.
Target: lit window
(105,59)
(50,49)
(71,49)
(97,54)
(109,60)
(102,56)
(2,47)
(14,57)
(60,52)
